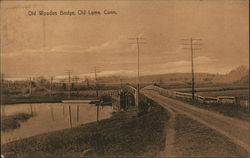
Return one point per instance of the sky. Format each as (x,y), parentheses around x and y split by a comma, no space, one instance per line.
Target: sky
(50,45)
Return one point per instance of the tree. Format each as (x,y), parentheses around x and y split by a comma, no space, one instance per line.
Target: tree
(64,86)
(87,82)
(42,81)
(75,79)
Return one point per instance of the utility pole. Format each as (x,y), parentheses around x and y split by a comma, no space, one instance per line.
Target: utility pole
(96,83)
(87,82)
(97,108)
(51,82)
(120,83)
(97,105)
(2,83)
(193,42)
(96,80)
(75,80)
(30,86)
(69,88)
(1,96)
(138,41)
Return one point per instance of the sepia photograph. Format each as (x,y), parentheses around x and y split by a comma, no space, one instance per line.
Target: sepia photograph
(124,78)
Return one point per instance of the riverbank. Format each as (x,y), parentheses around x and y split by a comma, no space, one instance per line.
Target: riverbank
(39,99)
(13,121)
(56,97)
(9,100)
(124,134)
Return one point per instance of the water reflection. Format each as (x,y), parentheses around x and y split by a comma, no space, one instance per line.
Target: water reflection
(50,117)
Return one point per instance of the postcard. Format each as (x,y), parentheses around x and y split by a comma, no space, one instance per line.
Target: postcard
(124,78)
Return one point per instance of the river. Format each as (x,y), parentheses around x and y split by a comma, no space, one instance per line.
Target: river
(51,117)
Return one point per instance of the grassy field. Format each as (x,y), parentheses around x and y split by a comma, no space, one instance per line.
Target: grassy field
(13,121)
(124,134)
(212,88)
(230,110)
(236,110)
(241,93)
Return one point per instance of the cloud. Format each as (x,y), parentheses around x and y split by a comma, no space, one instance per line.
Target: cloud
(119,44)
(67,48)
(177,51)
(109,73)
(200,60)
(101,74)
(45,51)
(201,63)
(116,56)
(118,73)
(204,60)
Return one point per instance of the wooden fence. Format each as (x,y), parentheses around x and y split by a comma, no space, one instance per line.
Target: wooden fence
(188,96)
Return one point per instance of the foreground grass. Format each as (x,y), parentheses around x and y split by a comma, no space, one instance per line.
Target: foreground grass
(13,121)
(124,134)
(196,140)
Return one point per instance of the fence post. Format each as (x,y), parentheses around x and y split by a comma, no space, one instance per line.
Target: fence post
(70,120)
(77,112)
(51,111)
(31,111)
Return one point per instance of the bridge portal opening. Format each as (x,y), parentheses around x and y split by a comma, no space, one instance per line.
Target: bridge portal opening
(127,99)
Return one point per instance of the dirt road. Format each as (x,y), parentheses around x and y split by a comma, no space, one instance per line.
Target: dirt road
(236,130)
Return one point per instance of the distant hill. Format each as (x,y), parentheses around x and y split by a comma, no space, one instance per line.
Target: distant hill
(239,75)
(236,74)
(243,80)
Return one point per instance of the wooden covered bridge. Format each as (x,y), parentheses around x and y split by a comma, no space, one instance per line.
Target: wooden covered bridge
(127,97)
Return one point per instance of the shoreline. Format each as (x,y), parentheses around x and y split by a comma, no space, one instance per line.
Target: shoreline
(40,100)
(13,122)
(55,101)
(30,102)
(117,135)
